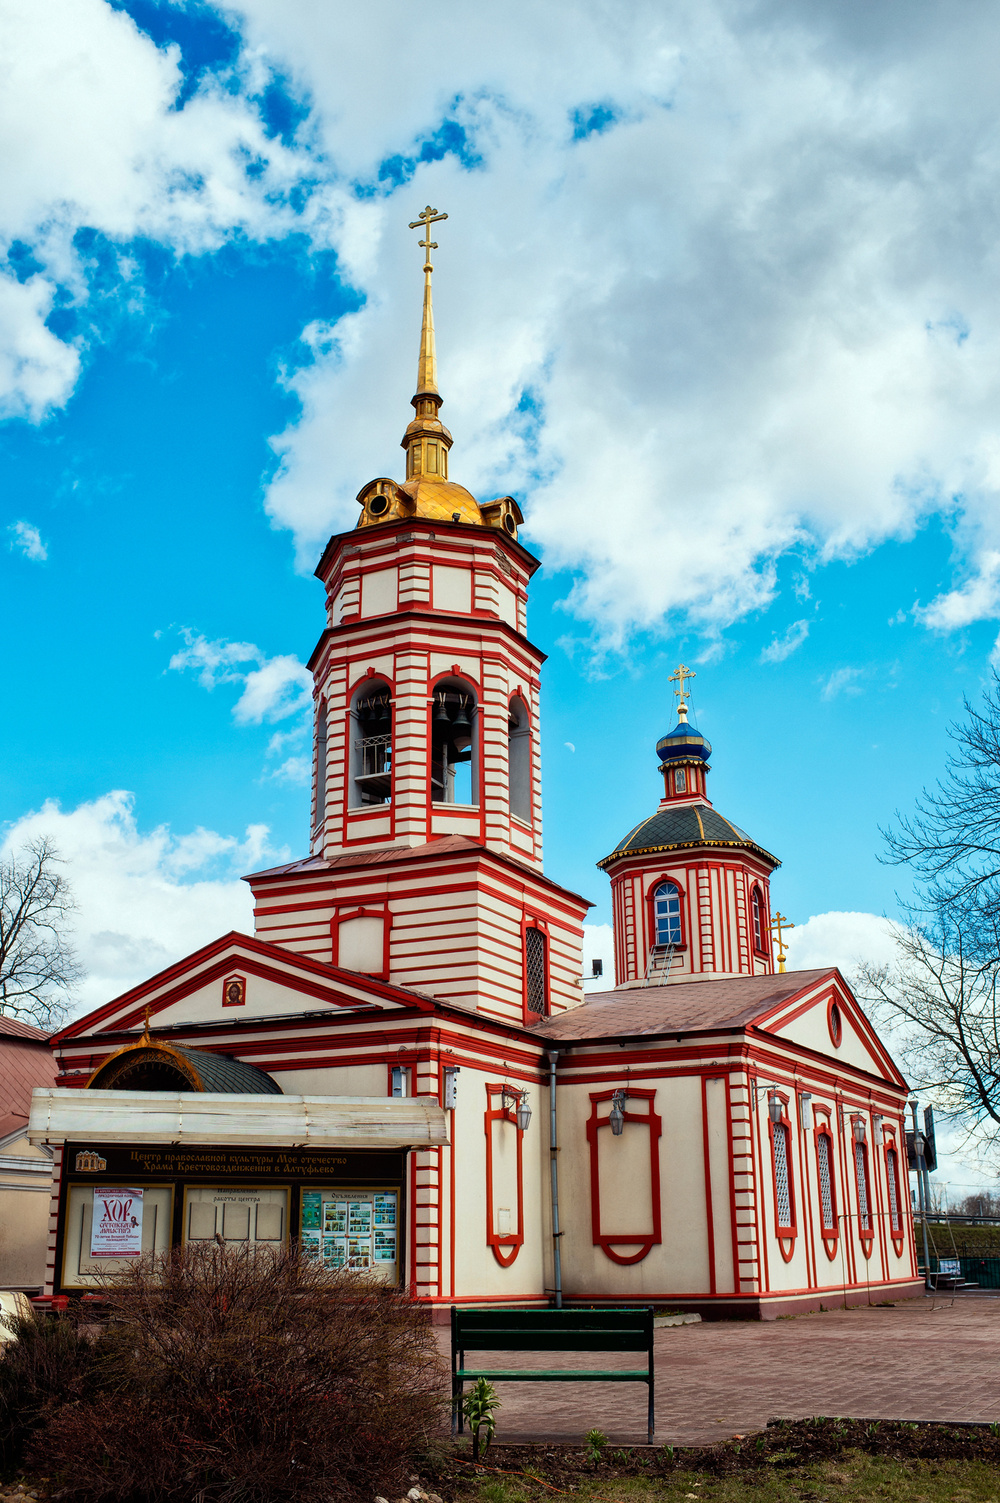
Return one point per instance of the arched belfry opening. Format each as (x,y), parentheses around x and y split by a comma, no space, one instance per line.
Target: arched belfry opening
(519,760)
(454,743)
(370,779)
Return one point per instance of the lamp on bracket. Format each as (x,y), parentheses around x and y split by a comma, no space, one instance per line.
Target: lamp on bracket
(517,1102)
(617,1114)
(774,1107)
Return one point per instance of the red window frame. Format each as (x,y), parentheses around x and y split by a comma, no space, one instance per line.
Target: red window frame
(862,1170)
(830,1234)
(892,1179)
(758,925)
(531,921)
(658,882)
(785,1231)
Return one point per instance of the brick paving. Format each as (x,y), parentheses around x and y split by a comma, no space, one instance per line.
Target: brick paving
(920,1359)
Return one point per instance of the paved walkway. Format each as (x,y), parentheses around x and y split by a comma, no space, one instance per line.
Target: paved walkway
(914,1361)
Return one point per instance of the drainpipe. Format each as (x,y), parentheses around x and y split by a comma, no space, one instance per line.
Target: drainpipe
(553,1159)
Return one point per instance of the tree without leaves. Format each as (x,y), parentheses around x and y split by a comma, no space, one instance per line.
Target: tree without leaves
(949,1009)
(952,841)
(38,966)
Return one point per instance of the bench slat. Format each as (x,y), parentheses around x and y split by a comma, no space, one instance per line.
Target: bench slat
(545,1341)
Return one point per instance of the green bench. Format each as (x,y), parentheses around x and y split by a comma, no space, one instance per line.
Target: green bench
(550,1331)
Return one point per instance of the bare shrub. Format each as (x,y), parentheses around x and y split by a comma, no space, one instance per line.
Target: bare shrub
(47,1363)
(232,1374)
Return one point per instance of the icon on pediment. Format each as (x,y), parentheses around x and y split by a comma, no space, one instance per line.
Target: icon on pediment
(234,991)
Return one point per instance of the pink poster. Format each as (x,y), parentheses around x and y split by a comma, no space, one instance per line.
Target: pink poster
(117,1226)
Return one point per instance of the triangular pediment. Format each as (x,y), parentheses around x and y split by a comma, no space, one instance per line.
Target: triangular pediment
(828,1019)
(240,979)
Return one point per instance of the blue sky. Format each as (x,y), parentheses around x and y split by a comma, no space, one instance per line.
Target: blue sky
(716,300)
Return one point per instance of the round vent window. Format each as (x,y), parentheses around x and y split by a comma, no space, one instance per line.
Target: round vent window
(510,524)
(836,1026)
(377,505)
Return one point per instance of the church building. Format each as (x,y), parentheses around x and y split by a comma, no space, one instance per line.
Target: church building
(399,1068)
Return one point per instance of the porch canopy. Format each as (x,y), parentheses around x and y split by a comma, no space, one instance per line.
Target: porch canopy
(60,1115)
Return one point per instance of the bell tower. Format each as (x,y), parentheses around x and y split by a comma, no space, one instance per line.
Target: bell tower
(426,766)
(690,890)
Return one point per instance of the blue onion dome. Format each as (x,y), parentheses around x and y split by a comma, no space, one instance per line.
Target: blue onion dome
(683,741)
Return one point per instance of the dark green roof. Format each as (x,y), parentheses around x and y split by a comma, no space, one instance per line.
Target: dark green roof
(684,827)
(220,1072)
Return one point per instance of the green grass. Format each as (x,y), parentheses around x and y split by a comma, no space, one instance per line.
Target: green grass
(851,1478)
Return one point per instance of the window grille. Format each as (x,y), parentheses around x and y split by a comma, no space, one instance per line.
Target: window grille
(825,1183)
(667,904)
(782,1188)
(891,1166)
(861,1165)
(536,967)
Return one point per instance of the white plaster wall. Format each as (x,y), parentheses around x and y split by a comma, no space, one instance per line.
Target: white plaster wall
(334,1080)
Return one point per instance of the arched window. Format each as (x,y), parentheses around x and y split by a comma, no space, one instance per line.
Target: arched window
(667,914)
(892,1181)
(519,760)
(757,916)
(454,743)
(827,1188)
(370,781)
(321,763)
(864,1198)
(784,1200)
(536,972)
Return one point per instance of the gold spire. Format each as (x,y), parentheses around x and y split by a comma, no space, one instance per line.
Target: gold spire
(427,440)
(427,364)
(679,677)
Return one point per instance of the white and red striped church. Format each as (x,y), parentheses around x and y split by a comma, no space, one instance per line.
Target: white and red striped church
(400,1069)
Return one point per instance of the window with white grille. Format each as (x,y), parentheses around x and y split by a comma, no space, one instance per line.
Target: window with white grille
(824,1158)
(782,1184)
(892,1166)
(667,904)
(536,971)
(861,1166)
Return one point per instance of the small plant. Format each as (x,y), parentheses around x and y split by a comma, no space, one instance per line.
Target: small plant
(667,1452)
(595,1442)
(478,1407)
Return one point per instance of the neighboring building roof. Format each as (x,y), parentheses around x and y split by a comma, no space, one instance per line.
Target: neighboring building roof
(25,1062)
(200,1068)
(677,1007)
(682,827)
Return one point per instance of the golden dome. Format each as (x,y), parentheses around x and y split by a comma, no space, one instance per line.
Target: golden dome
(441,499)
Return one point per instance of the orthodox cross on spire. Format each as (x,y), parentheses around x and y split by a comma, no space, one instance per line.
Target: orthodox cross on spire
(680,677)
(426,218)
(427,364)
(778,927)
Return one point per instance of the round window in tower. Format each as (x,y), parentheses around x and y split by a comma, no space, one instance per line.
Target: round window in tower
(510,524)
(377,505)
(835,1023)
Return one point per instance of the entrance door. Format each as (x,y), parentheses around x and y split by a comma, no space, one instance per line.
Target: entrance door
(247,1215)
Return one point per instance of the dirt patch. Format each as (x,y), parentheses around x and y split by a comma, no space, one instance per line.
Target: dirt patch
(783,1446)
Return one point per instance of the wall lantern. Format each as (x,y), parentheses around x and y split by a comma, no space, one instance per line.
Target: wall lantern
(774,1107)
(517,1102)
(860,1133)
(877,1129)
(617,1114)
(806,1110)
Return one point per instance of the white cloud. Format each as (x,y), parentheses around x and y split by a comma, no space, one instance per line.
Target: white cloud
(145,897)
(743,315)
(26,537)
(782,647)
(842,681)
(598,944)
(841,939)
(273,688)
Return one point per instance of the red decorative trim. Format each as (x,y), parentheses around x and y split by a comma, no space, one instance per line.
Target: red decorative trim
(892,1171)
(651,910)
(866,1235)
(784,1231)
(835,1021)
(609,1241)
(533,920)
(506,1247)
(830,1235)
(234,991)
(352,913)
(762,949)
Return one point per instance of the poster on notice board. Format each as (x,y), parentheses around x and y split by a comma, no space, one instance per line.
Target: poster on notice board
(116,1231)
